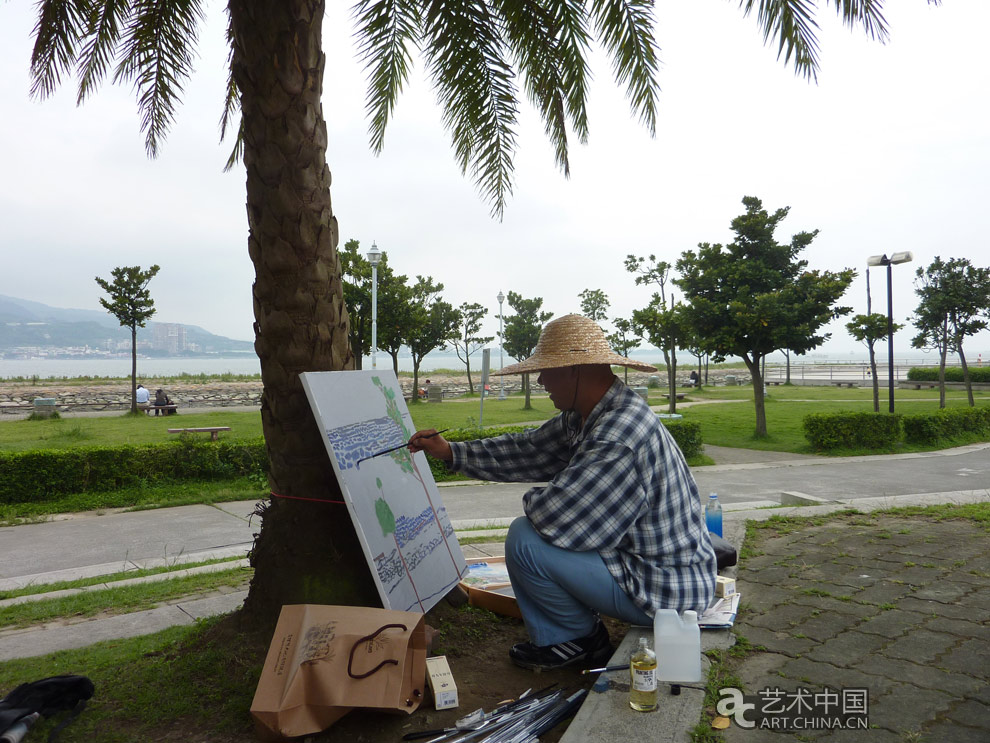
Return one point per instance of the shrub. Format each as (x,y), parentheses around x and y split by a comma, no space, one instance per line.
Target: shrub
(39,474)
(948,423)
(977,374)
(687,434)
(852,430)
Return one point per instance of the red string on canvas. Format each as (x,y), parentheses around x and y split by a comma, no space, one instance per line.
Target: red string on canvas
(314,500)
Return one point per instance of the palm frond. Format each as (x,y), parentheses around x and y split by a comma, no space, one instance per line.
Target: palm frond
(868,14)
(476,89)
(387,28)
(232,105)
(103,25)
(158,54)
(792,25)
(60,26)
(626,29)
(549,41)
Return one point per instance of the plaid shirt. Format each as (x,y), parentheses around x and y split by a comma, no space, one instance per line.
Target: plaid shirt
(620,486)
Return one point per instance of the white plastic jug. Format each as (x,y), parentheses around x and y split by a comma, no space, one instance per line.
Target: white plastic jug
(677,642)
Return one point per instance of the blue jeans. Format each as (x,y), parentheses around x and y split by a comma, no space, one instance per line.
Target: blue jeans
(560,592)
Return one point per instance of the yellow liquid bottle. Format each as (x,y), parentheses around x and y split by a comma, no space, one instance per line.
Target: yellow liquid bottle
(643,672)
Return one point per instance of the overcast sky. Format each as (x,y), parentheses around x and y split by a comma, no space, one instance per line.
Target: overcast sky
(890,151)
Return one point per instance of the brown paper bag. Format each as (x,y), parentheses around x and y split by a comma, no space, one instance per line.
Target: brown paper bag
(325,660)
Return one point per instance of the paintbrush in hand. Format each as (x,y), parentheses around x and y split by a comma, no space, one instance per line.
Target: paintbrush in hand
(400,446)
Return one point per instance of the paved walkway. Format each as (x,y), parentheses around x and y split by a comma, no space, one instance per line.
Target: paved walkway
(898,606)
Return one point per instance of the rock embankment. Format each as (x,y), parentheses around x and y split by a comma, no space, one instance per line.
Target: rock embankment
(19,397)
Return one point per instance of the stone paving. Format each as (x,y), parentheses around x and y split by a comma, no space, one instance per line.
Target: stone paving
(896,605)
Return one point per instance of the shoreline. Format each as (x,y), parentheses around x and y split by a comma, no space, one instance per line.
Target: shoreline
(17,398)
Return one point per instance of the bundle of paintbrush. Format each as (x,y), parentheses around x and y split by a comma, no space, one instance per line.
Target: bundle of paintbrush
(514,722)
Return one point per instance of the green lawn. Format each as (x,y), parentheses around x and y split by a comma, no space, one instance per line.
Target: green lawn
(63,433)
(723,424)
(733,423)
(142,429)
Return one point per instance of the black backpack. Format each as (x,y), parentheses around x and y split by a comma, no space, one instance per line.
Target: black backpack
(47,697)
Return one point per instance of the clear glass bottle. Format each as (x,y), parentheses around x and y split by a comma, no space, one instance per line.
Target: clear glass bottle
(643,672)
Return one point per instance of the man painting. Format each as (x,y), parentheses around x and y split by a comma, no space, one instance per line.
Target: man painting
(617,530)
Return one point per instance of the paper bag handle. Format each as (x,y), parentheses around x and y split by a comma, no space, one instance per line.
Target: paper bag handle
(368,638)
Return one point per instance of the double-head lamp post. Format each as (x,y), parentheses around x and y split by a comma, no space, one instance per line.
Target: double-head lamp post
(374,257)
(500,298)
(883,260)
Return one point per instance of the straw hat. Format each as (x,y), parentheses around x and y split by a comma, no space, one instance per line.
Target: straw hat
(569,341)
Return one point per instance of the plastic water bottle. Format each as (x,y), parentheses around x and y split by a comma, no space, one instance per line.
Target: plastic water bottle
(678,646)
(713,515)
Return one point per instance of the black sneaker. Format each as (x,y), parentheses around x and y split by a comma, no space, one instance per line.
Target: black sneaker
(594,649)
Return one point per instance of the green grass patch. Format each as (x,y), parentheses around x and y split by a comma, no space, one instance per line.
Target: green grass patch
(96,580)
(119,599)
(160,495)
(203,675)
(733,424)
(64,433)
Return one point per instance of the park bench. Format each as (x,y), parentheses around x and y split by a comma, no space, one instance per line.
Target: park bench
(838,383)
(680,395)
(149,409)
(213,431)
(917,385)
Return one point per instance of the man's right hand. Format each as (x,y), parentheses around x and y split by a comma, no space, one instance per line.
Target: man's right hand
(432,443)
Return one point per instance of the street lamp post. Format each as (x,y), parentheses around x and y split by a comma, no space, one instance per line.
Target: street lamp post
(500,298)
(374,256)
(883,260)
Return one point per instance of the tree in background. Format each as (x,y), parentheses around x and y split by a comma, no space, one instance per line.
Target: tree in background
(522,332)
(131,303)
(594,304)
(754,296)
(394,299)
(476,54)
(623,340)
(954,298)
(869,329)
(356,276)
(664,321)
(469,341)
(433,323)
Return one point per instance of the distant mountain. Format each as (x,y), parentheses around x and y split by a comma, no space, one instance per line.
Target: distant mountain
(27,323)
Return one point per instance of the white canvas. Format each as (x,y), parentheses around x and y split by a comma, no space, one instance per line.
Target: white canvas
(392,498)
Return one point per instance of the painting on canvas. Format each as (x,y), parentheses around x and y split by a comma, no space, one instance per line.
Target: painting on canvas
(392,498)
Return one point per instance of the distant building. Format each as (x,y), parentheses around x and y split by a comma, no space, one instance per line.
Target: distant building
(169,337)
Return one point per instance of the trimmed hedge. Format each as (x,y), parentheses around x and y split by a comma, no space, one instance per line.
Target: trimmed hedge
(687,434)
(44,473)
(977,374)
(852,430)
(40,474)
(947,423)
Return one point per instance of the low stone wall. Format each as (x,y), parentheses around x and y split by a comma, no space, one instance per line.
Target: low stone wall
(18,398)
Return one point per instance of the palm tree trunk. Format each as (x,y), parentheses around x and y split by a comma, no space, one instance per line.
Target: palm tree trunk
(306,552)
